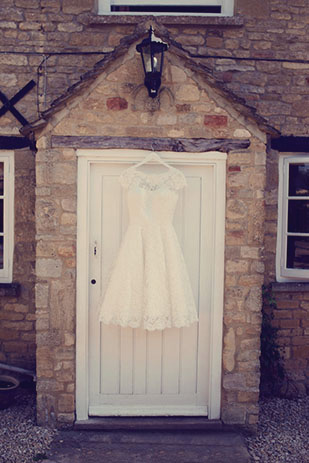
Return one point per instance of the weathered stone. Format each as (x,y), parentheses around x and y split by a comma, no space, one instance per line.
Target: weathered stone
(241,133)
(188,93)
(66,403)
(178,74)
(8,80)
(116,104)
(229,350)
(46,268)
(41,295)
(215,121)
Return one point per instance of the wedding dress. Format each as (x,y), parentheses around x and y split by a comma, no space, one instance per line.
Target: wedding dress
(149,286)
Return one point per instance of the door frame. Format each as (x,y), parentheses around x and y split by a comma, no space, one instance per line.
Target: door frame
(87,157)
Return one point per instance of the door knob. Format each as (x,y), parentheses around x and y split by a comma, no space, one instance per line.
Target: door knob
(93,281)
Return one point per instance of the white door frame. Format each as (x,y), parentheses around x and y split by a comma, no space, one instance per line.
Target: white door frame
(86,158)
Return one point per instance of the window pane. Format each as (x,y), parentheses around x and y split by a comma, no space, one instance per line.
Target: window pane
(1,252)
(167,8)
(1,178)
(1,215)
(298,252)
(298,179)
(298,218)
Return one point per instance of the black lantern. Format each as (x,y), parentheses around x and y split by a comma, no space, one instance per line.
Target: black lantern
(152,51)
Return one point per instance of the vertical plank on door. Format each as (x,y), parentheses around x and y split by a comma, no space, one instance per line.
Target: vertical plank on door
(126,361)
(154,362)
(191,251)
(110,354)
(206,277)
(139,361)
(110,228)
(170,361)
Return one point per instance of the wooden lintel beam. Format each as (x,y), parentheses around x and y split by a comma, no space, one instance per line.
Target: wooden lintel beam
(195,145)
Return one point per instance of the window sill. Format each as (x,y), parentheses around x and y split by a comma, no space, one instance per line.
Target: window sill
(9,289)
(290,287)
(235,21)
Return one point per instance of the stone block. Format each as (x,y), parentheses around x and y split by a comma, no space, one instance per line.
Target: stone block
(8,79)
(214,42)
(69,204)
(188,92)
(69,27)
(63,173)
(300,352)
(229,350)
(215,121)
(69,339)
(233,415)
(116,104)
(234,382)
(66,250)
(66,403)
(236,266)
(177,74)
(236,209)
(48,268)
(76,7)
(68,218)
(62,304)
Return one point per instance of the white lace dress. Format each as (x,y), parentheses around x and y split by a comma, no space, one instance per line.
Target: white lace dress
(149,286)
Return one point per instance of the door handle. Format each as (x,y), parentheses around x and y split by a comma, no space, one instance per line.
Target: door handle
(93,281)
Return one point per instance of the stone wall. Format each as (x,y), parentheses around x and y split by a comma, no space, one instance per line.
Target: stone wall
(55,284)
(274,30)
(189,108)
(291,315)
(17,311)
(32,30)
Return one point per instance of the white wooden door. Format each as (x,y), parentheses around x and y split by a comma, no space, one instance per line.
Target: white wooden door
(134,371)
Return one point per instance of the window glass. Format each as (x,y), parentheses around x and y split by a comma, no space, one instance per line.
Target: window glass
(6,215)
(298,179)
(298,252)
(1,178)
(187,9)
(1,215)
(167,7)
(298,216)
(1,252)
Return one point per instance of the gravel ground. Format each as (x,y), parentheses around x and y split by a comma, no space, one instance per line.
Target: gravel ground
(21,441)
(283,432)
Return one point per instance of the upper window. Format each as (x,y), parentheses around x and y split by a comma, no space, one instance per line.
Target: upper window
(6,215)
(168,7)
(293,219)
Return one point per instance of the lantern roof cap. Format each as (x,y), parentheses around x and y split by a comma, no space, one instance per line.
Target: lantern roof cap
(156,43)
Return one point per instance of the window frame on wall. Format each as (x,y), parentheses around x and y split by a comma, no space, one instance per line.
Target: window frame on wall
(7,199)
(283,272)
(227,7)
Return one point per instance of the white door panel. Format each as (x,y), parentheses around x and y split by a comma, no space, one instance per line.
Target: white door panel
(138,372)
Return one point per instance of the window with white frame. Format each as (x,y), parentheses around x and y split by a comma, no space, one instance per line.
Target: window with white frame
(6,215)
(293,219)
(168,7)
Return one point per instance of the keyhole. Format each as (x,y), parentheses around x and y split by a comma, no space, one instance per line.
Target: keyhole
(93,281)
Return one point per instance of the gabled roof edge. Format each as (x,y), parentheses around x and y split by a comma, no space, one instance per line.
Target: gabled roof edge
(125,43)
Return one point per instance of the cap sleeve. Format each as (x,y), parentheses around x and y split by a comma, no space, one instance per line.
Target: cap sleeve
(179,180)
(125,178)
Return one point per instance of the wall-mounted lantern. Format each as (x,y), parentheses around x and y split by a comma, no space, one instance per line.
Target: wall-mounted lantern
(152,52)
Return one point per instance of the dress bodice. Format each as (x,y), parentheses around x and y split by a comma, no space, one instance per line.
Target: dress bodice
(152,198)
(149,286)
